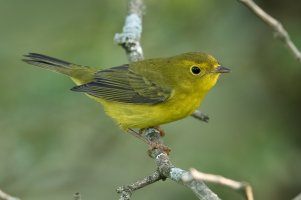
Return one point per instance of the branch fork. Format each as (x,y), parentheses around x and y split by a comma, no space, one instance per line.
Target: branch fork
(279,31)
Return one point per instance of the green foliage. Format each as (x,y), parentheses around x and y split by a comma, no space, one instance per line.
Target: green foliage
(54,142)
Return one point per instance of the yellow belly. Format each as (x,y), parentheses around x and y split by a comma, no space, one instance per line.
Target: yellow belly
(144,116)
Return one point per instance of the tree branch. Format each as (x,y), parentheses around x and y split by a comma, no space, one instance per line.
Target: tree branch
(200,116)
(5,196)
(212,178)
(127,191)
(280,32)
(77,196)
(168,170)
(298,197)
(129,39)
(165,169)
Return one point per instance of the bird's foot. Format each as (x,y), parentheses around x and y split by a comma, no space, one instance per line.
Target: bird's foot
(162,132)
(162,147)
(152,145)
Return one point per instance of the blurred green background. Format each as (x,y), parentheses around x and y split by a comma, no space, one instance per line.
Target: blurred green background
(54,142)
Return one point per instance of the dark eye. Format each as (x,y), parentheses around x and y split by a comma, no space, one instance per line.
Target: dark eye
(195,70)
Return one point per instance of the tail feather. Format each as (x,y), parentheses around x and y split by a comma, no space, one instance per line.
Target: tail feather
(78,73)
(49,63)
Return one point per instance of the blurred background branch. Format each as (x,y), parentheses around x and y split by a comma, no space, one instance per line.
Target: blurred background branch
(77,196)
(5,196)
(278,28)
(298,197)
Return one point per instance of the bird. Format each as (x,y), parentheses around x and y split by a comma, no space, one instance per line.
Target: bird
(146,93)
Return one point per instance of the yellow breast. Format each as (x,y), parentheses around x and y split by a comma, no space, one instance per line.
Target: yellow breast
(143,116)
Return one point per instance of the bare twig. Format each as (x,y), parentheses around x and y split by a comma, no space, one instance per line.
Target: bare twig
(126,191)
(297,197)
(5,196)
(165,169)
(200,116)
(280,32)
(129,39)
(212,178)
(77,196)
(168,170)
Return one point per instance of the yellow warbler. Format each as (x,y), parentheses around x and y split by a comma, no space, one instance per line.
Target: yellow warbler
(146,93)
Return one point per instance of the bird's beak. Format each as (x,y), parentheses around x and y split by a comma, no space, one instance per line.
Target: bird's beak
(221,69)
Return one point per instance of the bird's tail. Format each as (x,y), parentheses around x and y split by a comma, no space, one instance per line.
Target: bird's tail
(78,73)
(46,62)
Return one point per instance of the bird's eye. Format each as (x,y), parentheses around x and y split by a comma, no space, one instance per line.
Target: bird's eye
(195,70)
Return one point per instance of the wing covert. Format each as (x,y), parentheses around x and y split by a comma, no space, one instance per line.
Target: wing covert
(121,84)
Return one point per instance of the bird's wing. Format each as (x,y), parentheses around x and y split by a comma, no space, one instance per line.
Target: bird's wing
(121,84)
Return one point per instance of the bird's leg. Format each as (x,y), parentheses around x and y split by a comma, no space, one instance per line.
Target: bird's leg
(152,145)
(155,141)
(162,132)
(158,143)
(139,135)
(141,131)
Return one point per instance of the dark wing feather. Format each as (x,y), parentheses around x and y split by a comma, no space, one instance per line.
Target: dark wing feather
(120,84)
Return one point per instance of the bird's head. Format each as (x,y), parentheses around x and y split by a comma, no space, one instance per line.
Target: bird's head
(199,70)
